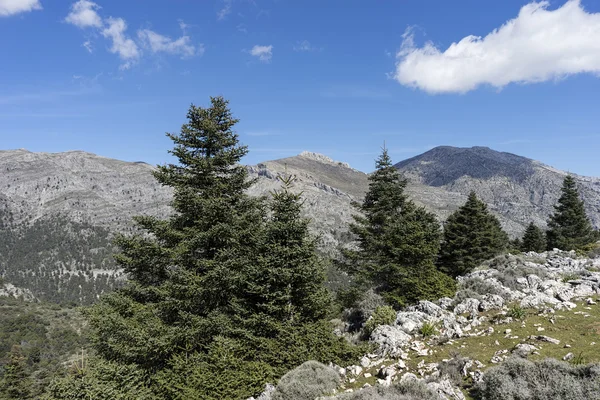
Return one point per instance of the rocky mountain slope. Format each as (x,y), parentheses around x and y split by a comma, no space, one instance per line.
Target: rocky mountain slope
(518,189)
(58,212)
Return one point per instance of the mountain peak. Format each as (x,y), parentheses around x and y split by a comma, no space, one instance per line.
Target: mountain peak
(322,158)
(445,164)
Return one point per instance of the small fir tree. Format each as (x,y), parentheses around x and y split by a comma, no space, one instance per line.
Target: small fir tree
(15,383)
(569,228)
(397,242)
(534,239)
(471,235)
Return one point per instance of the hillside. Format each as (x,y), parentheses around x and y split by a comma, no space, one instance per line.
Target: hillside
(58,212)
(518,189)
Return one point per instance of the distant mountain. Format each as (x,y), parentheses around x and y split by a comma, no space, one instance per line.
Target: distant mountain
(518,189)
(58,212)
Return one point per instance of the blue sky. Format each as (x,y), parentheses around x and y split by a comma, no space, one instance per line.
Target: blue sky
(337,77)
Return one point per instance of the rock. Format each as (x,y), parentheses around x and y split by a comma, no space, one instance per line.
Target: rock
(534,281)
(470,306)
(491,302)
(390,339)
(428,308)
(368,375)
(590,302)
(569,357)
(537,300)
(446,390)
(445,303)
(524,349)
(547,339)
(355,370)
(408,376)
(365,362)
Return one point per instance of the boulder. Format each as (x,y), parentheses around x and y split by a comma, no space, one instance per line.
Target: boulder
(391,339)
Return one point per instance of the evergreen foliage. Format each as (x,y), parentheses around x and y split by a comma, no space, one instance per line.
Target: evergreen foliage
(569,227)
(397,242)
(471,235)
(15,383)
(534,239)
(224,295)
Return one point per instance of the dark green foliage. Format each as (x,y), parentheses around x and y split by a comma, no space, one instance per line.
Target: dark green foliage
(385,315)
(534,239)
(15,383)
(471,235)
(569,228)
(307,382)
(520,379)
(397,242)
(47,336)
(225,295)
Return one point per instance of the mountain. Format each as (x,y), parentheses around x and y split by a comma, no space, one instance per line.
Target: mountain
(59,212)
(518,189)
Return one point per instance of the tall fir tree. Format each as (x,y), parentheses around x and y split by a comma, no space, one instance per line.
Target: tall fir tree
(534,239)
(569,228)
(397,242)
(471,235)
(224,296)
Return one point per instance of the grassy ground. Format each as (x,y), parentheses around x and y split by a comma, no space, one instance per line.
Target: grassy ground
(578,331)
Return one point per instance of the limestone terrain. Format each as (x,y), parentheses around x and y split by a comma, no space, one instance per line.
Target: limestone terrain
(533,306)
(79,200)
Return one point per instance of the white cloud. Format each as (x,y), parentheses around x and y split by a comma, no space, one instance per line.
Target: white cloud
(11,7)
(536,46)
(126,48)
(83,14)
(159,43)
(264,53)
(88,46)
(304,46)
(225,11)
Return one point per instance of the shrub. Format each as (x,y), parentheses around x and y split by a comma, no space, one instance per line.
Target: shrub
(362,309)
(520,379)
(570,277)
(307,382)
(452,369)
(428,329)
(516,312)
(383,315)
(408,390)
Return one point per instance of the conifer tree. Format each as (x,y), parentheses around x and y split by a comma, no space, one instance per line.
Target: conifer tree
(15,384)
(471,235)
(534,239)
(226,290)
(397,242)
(287,283)
(569,227)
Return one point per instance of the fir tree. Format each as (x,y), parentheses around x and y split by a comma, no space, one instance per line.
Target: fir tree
(534,239)
(569,227)
(471,235)
(287,284)
(397,242)
(224,290)
(15,384)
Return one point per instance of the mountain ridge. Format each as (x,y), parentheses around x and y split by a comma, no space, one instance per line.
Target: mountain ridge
(47,197)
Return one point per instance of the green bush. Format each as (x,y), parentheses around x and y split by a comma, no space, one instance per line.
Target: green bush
(383,315)
(516,312)
(428,329)
(520,379)
(307,382)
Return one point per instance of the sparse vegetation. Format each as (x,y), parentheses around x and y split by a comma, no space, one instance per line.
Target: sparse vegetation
(307,382)
(516,312)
